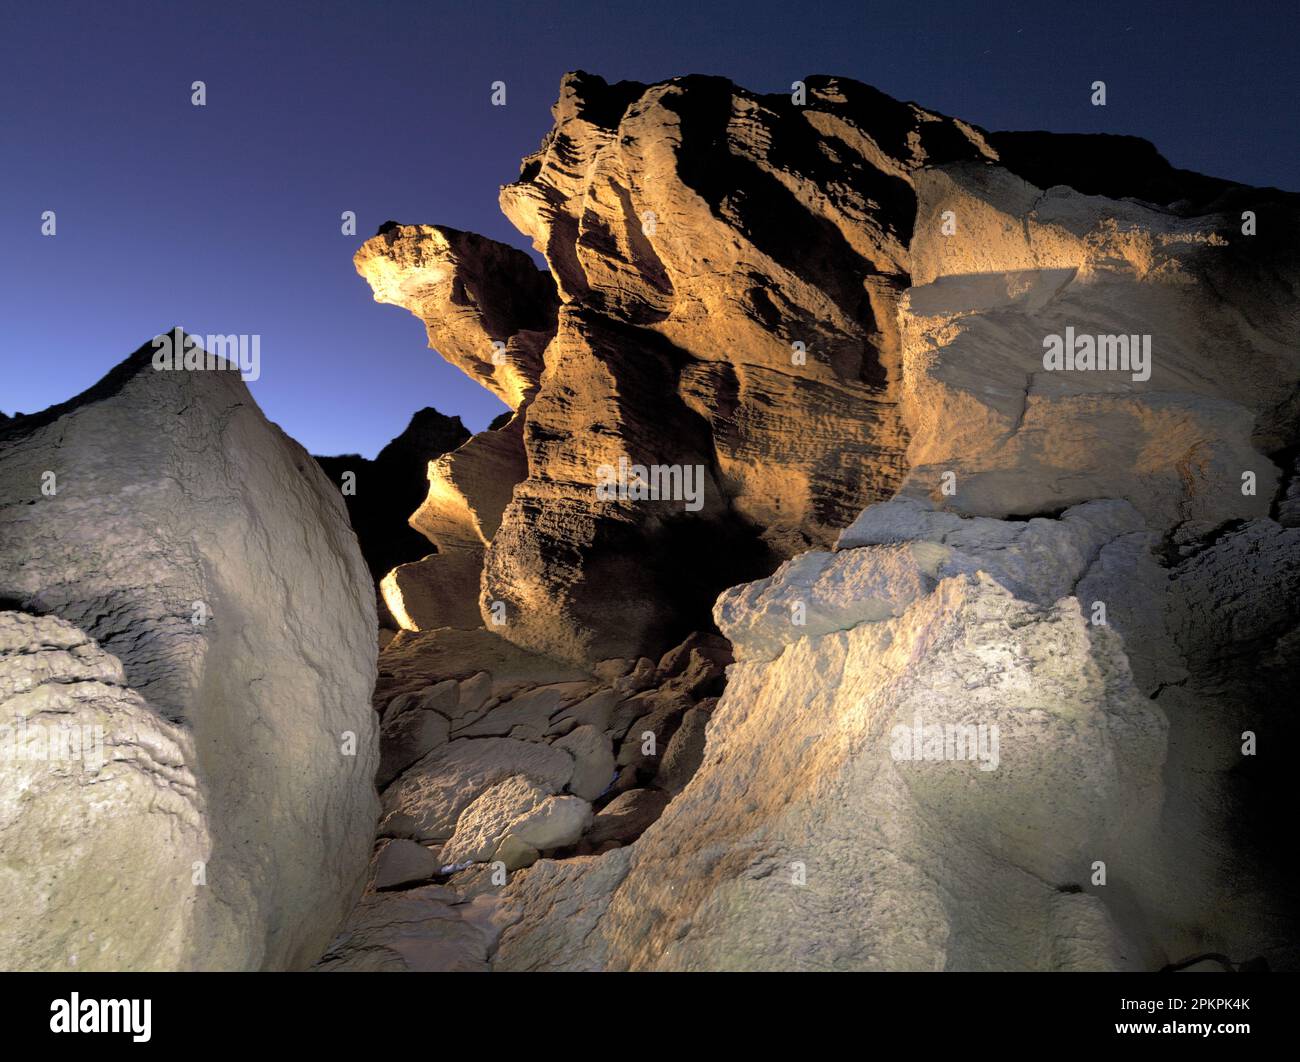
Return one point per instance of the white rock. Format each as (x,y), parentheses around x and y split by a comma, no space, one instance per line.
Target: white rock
(207,552)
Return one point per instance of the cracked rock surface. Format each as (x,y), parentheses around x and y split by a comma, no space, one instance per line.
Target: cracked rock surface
(192,584)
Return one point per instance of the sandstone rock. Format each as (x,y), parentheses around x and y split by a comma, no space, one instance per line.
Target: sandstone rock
(412,657)
(626,817)
(445,698)
(196,544)
(531,709)
(640,677)
(711,647)
(516,854)
(593,761)
(471,292)
(486,821)
(427,801)
(556,822)
(440,590)
(416,931)
(109,818)
(401,862)
(666,708)
(1030,262)
(556,929)
(807,379)
(469,489)
(817,593)
(389,488)
(753,859)
(595,711)
(685,751)
(407,738)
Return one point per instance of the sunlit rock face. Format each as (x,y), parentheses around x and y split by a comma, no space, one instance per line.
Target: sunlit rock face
(819,303)
(959,762)
(179,573)
(999,433)
(727,269)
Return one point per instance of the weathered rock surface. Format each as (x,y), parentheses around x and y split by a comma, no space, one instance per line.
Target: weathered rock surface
(830,850)
(98,802)
(188,576)
(820,304)
(835,313)
(505,766)
(440,590)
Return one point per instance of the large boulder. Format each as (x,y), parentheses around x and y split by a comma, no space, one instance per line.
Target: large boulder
(199,568)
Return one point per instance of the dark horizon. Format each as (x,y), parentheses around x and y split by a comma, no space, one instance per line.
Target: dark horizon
(226,218)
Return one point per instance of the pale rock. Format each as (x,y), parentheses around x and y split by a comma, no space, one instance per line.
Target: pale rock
(413,931)
(593,759)
(516,854)
(555,823)
(208,553)
(401,862)
(407,738)
(487,820)
(627,816)
(685,751)
(426,802)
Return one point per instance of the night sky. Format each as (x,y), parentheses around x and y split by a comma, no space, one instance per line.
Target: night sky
(225,218)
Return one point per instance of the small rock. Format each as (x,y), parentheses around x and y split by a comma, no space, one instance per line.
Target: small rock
(516,854)
(406,739)
(685,752)
(402,862)
(488,819)
(593,757)
(626,817)
(639,678)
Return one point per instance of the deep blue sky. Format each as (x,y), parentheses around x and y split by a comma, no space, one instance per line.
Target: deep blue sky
(225,219)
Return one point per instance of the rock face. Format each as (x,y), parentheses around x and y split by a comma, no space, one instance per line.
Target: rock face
(381,494)
(494,758)
(1007,422)
(814,306)
(178,572)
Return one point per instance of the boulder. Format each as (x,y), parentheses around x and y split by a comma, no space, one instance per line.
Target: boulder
(556,822)
(627,816)
(399,863)
(204,556)
(426,802)
(593,761)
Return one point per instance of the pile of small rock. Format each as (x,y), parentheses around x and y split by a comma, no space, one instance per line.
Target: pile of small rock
(486,773)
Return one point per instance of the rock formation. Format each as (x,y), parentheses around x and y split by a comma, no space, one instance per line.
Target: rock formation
(997,433)
(890,561)
(388,489)
(381,495)
(183,598)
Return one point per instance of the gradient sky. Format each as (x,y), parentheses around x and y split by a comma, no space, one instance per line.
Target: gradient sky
(225,218)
